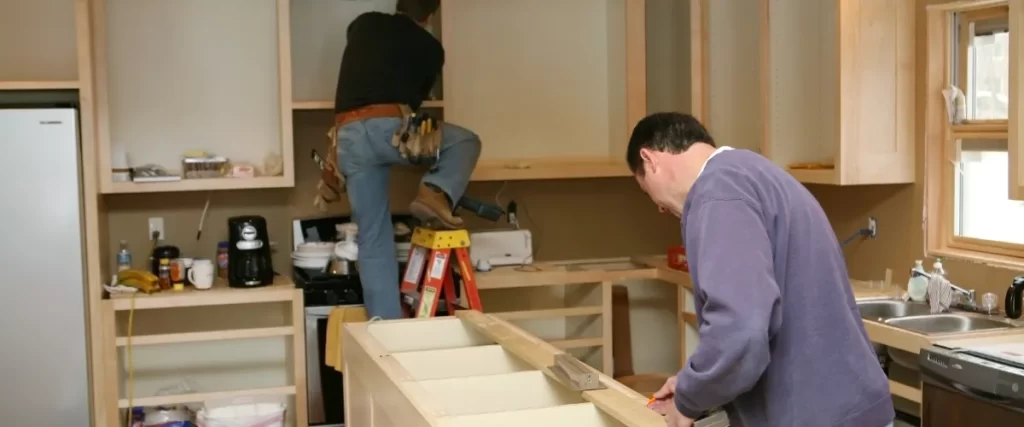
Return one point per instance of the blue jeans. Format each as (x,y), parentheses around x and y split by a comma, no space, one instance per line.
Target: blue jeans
(365,156)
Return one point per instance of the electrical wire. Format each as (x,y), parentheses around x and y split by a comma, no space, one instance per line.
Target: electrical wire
(130,386)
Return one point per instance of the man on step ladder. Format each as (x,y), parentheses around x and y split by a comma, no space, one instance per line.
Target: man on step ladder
(389,67)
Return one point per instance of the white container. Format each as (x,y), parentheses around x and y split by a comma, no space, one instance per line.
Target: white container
(917,287)
(242,412)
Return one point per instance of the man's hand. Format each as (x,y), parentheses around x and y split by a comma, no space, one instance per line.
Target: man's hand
(664,404)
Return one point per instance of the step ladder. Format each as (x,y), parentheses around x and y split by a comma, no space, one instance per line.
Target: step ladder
(431,253)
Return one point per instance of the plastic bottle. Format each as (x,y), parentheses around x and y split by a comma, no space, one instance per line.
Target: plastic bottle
(124,257)
(222,260)
(937,267)
(164,274)
(917,287)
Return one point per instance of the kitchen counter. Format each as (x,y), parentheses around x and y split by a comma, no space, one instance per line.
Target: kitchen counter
(912,342)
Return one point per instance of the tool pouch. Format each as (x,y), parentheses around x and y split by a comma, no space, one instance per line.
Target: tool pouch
(418,138)
(332,182)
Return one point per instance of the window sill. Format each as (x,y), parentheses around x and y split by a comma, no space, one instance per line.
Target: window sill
(991,260)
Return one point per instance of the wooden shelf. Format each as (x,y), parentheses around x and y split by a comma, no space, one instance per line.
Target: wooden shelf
(236,334)
(283,289)
(223,86)
(54,85)
(329,105)
(518,170)
(210,184)
(202,397)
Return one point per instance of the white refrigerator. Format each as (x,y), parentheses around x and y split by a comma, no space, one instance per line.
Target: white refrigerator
(42,310)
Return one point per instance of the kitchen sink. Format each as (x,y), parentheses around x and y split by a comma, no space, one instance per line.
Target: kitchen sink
(946,323)
(882,310)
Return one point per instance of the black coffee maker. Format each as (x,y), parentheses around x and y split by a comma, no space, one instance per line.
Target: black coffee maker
(249,263)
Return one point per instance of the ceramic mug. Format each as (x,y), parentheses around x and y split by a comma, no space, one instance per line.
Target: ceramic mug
(201,273)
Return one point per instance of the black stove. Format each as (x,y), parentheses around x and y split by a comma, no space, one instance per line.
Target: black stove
(320,289)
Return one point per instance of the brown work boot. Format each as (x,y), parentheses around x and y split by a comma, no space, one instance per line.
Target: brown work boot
(432,207)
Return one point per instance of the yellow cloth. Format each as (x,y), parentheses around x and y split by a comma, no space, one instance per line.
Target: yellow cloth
(333,347)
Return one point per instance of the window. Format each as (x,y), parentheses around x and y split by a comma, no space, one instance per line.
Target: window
(969,211)
(983,70)
(982,209)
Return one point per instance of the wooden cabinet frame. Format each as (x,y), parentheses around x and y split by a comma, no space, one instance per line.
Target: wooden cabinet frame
(864,129)
(473,370)
(103,116)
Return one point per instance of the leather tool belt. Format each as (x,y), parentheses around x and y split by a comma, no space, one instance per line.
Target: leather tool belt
(418,140)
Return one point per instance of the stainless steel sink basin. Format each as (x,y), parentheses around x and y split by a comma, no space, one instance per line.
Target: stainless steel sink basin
(946,323)
(882,310)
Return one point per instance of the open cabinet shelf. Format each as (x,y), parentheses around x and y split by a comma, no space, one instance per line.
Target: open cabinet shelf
(191,75)
(823,89)
(318,39)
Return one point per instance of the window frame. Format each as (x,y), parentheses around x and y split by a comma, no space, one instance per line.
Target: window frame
(946,57)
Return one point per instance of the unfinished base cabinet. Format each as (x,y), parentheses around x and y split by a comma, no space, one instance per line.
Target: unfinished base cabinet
(824,88)
(467,371)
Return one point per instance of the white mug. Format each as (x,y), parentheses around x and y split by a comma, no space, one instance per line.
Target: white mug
(201,274)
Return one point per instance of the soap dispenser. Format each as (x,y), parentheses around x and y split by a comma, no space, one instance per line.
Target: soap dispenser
(917,287)
(1014,297)
(937,267)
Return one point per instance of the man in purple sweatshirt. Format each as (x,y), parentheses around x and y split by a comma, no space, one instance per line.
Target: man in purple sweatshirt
(781,340)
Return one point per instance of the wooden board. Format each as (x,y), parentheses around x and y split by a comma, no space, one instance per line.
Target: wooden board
(471,370)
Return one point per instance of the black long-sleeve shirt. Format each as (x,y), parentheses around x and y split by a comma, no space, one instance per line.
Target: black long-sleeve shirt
(388,59)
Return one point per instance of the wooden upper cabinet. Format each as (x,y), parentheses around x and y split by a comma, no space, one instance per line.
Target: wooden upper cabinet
(824,88)
(186,75)
(840,90)
(38,44)
(553,88)
(318,39)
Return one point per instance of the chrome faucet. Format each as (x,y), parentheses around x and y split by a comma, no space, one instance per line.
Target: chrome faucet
(967,293)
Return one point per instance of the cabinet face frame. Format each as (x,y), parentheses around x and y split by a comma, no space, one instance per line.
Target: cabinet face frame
(558,167)
(98,9)
(940,138)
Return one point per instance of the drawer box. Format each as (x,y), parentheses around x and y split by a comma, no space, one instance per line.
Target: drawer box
(471,370)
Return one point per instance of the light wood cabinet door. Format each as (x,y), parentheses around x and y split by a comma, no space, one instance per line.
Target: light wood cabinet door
(548,86)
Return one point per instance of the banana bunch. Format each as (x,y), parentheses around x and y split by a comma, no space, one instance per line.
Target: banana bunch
(140,279)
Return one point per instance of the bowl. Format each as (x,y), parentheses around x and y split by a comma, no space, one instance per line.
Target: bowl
(315,248)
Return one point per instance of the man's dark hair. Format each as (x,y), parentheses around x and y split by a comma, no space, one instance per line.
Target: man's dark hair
(418,10)
(666,132)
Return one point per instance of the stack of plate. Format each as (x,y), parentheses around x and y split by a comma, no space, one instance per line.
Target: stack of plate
(313,255)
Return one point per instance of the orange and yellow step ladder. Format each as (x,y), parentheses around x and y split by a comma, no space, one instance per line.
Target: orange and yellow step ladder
(431,253)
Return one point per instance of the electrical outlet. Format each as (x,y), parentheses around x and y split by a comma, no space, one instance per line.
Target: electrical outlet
(156,225)
(872,227)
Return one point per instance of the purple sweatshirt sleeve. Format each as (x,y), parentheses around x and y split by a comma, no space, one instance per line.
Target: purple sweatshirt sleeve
(731,257)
